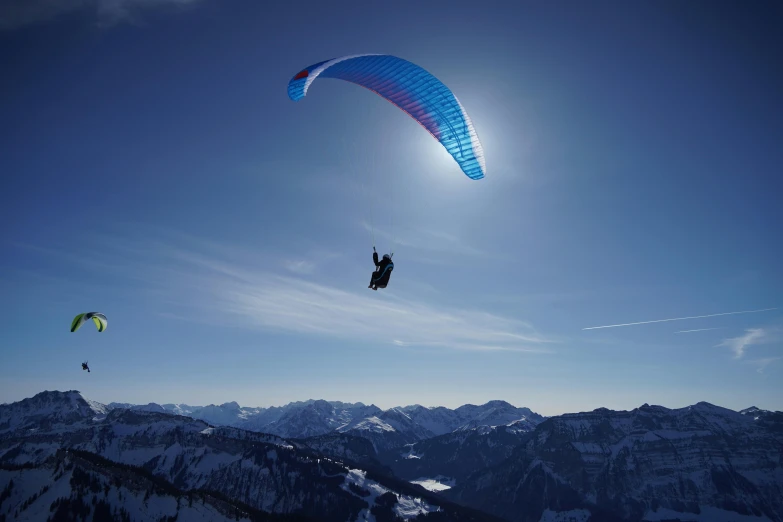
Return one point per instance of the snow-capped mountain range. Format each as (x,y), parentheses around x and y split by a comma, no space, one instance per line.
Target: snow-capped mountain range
(386,429)
(64,457)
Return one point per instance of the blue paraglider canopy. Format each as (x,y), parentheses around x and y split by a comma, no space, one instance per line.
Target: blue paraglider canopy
(414,90)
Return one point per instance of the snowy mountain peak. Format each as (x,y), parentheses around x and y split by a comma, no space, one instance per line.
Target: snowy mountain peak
(321,405)
(703,405)
(715,416)
(348,405)
(69,400)
(754,411)
(47,409)
(757,414)
(153,407)
(711,409)
(497,404)
(495,413)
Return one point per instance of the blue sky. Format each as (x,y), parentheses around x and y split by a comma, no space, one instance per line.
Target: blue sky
(155,170)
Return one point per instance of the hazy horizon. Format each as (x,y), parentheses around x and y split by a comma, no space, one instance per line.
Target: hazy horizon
(386,407)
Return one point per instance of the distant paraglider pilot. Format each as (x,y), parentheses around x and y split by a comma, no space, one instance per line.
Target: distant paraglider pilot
(85,367)
(383,270)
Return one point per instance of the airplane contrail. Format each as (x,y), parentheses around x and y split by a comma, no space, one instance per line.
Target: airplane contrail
(679,319)
(698,330)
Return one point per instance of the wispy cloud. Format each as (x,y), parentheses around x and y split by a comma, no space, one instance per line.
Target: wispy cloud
(739,344)
(679,319)
(285,303)
(20,13)
(762,364)
(697,330)
(312,261)
(300,267)
(210,284)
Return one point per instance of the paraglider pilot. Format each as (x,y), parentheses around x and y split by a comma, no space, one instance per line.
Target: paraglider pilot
(383,270)
(85,367)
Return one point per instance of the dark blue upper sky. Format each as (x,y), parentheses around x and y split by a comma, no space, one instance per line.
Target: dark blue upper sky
(154,169)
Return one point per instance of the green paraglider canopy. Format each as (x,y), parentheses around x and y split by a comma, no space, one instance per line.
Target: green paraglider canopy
(98,318)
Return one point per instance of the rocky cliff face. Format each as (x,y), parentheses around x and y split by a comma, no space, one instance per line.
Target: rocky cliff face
(696,463)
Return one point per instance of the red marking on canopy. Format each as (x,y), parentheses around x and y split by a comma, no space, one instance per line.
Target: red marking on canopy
(301,75)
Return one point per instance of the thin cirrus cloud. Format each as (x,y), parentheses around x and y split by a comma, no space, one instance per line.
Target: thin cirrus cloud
(20,13)
(213,284)
(300,266)
(740,344)
(291,304)
(762,364)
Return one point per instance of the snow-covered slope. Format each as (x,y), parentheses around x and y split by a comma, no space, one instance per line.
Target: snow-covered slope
(80,487)
(381,435)
(382,502)
(701,463)
(403,423)
(390,429)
